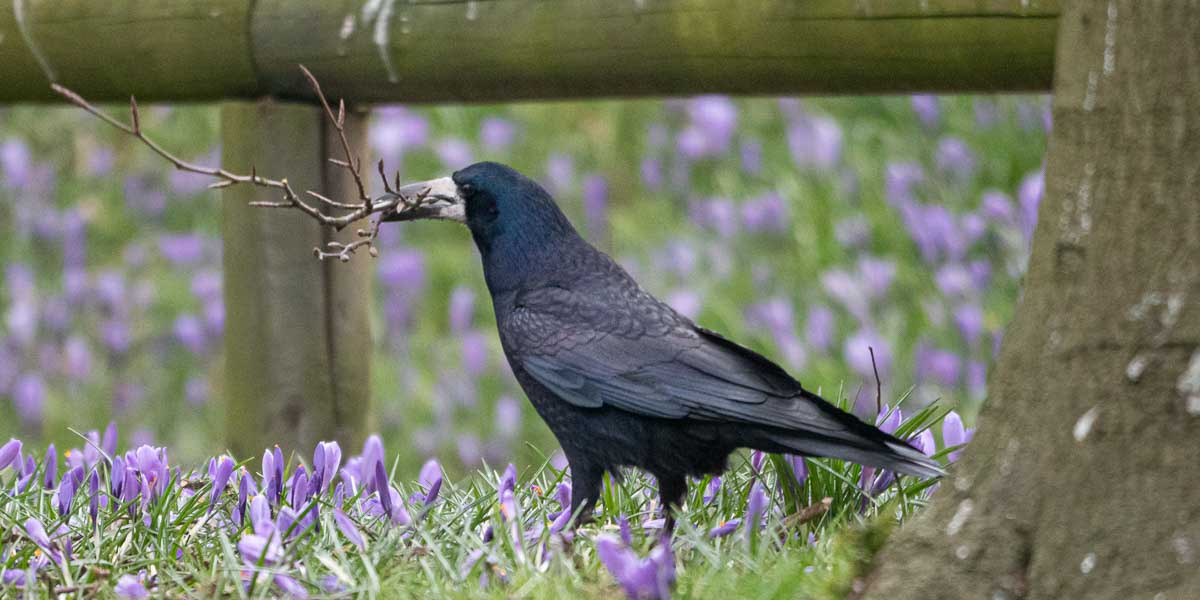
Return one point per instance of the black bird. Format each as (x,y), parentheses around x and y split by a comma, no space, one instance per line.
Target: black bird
(621,379)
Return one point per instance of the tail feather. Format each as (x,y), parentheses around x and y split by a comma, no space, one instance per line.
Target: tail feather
(855,441)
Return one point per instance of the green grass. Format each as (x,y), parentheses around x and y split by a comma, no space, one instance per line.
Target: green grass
(184,549)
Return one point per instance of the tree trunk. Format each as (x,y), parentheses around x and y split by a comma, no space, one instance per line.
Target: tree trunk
(297,341)
(1084,479)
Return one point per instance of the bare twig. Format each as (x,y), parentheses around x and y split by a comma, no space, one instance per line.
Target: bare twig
(808,513)
(366,206)
(878,384)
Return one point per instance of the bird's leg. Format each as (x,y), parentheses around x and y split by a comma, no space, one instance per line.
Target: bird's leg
(585,490)
(671,490)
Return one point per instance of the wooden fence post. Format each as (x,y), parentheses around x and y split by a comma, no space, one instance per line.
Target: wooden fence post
(297,341)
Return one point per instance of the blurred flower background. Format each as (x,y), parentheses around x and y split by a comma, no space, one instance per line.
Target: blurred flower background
(810,230)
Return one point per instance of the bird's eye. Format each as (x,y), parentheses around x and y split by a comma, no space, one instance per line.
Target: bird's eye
(466,189)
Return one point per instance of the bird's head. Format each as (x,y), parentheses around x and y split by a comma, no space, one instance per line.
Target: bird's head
(498,205)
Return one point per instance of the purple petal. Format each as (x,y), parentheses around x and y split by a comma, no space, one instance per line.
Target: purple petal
(129,587)
(346,526)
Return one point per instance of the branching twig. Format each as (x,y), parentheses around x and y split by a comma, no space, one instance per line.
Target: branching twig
(366,206)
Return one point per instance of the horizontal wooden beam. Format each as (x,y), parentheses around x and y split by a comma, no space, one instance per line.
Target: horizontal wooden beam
(500,50)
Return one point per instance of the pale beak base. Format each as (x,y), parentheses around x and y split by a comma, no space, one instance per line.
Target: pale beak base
(442,201)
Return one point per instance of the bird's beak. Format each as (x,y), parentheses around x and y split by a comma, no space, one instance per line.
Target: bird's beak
(441,201)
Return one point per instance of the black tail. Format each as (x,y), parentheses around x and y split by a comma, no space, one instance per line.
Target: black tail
(848,439)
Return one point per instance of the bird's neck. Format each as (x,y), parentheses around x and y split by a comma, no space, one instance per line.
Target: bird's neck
(530,254)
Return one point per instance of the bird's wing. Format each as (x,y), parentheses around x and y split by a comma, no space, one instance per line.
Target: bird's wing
(634,353)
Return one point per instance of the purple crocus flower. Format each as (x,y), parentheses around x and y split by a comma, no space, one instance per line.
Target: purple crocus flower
(453,152)
(560,173)
(256,548)
(290,586)
(877,275)
(955,158)
(219,470)
(508,416)
(37,533)
(260,516)
(496,134)
(799,467)
(372,455)
(181,249)
(899,181)
(641,579)
(474,353)
(395,129)
(130,587)
(713,121)
(64,495)
(115,335)
(13,577)
(954,280)
(595,205)
(969,320)
(245,489)
(710,492)
(508,481)
(150,463)
(10,453)
(327,457)
(819,328)
(562,494)
(29,398)
(954,434)
(1029,195)
(757,458)
(77,358)
(768,212)
(942,366)
(50,477)
(849,291)
(725,528)
(652,173)
(108,442)
(996,206)
(430,480)
(624,529)
(94,495)
(298,487)
(16,163)
(348,529)
(925,443)
(462,309)
(756,504)
(927,109)
(189,332)
(815,142)
(272,466)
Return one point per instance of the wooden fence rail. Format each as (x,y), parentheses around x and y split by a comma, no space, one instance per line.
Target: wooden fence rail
(504,50)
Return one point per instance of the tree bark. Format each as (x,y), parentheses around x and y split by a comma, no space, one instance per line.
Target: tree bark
(1084,478)
(297,334)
